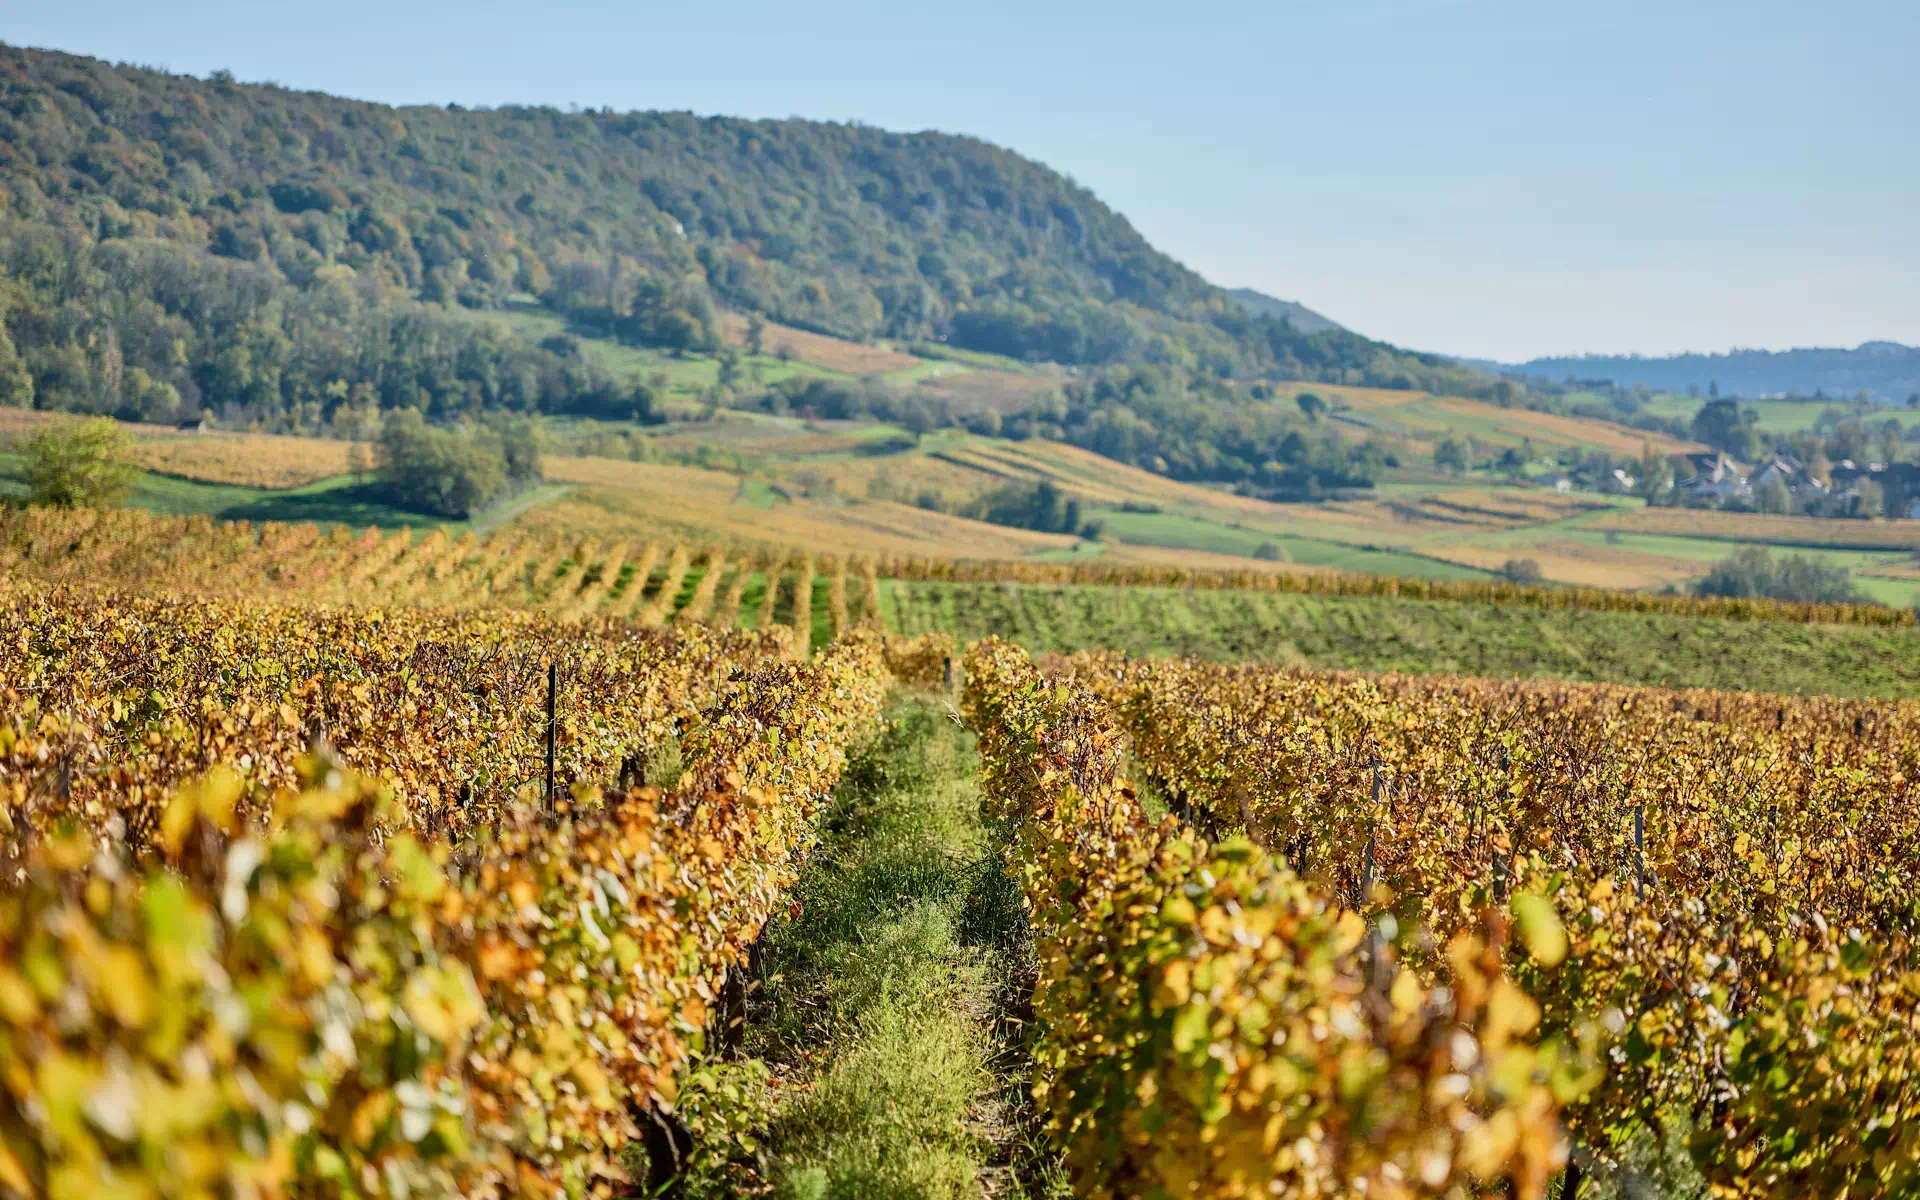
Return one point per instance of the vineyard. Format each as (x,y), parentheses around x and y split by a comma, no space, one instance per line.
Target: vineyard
(314,899)
(659,580)
(347,863)
(1300,982)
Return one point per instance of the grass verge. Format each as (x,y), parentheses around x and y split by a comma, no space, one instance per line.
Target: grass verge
(881,1006)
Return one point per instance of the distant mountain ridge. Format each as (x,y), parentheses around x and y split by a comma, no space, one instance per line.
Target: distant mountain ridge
(1304,319)
(1889,372)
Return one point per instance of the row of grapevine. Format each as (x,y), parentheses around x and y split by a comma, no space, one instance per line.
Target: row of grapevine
(291,911)
(1737,877)
(344,567)
(1335,583)
(1208,1024)
(569,580)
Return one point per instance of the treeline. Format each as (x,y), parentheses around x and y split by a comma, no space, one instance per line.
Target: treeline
(1194,427)
(1166,420)
(637,224)
(147,329)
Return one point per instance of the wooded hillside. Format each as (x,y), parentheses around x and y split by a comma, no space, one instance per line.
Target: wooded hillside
(170,242)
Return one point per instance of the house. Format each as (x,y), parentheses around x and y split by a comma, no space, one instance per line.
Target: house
(1899,483)
(1710,476)
(1810,495)
(1782,467)
(199,424)
(1563,485)
(1620,482)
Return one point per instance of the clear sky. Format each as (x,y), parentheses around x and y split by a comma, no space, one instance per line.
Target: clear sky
(1502,179)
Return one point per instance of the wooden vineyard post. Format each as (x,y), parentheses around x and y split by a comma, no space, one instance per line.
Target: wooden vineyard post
(1640,850)
(1366,874)
(553,727)
(1366,884)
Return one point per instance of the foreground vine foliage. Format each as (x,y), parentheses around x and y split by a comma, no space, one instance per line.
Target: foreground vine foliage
(1210,1024)
(1736,878)
(290,911)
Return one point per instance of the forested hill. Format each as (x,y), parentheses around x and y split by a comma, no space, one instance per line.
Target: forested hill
(193,219)
(1888,371)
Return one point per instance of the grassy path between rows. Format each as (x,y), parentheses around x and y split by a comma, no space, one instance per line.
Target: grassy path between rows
(881,1007)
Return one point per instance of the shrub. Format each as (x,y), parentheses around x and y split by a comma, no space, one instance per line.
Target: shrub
(1754,572)
(453,472)
(80,463)
(1521,570)
(1272,552)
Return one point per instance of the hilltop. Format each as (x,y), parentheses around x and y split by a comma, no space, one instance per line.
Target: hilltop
(1303,318)
(160,196)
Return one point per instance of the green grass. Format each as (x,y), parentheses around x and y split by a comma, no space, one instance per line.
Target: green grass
(1408,635)
(973,358)
(1780,416)
(877,1004)
(1185,532)
(1901,593)
(336,501)
(687,375)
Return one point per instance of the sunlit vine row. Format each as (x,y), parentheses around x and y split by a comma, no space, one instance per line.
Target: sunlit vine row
(1738,876)
(1334,583)
(1209,1024)
(572,580)
(290,908)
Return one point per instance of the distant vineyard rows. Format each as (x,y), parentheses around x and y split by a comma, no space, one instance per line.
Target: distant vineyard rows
(577,579)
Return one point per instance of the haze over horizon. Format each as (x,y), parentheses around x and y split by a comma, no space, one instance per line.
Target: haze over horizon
(1476,179)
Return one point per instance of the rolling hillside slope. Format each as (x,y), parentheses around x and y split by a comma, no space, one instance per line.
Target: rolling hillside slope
(843,229)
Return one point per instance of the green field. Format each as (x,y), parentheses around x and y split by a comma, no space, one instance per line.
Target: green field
(687,375)
(1778,416)
(1183,532)
(337,501)
(1406,635)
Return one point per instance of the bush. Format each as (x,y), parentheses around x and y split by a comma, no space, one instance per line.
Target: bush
(1272,552)
(80,463)
(1753,572)
(454,472)
(1521,570)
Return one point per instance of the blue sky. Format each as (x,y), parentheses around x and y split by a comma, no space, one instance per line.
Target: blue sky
(1499,179)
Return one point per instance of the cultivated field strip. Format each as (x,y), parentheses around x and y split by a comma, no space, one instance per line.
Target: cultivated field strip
(201,556)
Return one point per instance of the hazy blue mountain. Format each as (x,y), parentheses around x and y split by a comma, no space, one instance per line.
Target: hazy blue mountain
(1887,371)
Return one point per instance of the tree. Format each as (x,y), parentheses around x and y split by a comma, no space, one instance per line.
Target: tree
(1869,499)
(1653,474)
(80,463)
(756,333)
(1453,454)
(16,382)
(1755,572)
(447,472)
(1722,425)
(1311,405)
(1772,496)
(1521,570)
(729,362)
